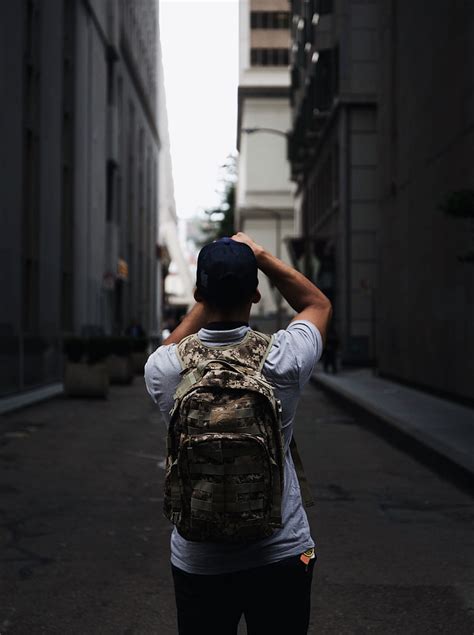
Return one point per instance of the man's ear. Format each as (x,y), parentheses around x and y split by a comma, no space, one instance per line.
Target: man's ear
(199,298)
(257,296)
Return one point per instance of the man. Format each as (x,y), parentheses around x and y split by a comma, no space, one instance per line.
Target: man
(268,580)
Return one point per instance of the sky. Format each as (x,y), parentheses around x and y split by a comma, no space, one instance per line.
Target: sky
(199,42)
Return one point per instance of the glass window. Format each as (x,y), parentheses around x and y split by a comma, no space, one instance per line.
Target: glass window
(325,6)
(269,57)
(282,20)
(269,20)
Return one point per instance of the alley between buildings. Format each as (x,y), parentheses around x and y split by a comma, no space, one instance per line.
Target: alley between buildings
(84,546)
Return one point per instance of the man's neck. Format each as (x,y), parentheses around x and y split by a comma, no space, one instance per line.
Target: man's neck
(225,325)
(240,314)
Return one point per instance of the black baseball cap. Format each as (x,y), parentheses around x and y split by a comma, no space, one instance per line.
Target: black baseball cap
(226,272)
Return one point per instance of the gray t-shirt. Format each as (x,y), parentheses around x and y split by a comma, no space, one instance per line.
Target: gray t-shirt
(288,367)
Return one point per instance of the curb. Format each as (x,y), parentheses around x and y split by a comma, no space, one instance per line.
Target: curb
(9,404)
(434,447)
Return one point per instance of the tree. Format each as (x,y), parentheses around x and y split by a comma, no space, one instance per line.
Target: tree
(220,220)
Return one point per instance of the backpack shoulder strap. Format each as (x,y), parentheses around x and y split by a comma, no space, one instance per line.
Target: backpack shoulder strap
(269,340)
(306,495)
(183,347)
(194,356)
(251,351)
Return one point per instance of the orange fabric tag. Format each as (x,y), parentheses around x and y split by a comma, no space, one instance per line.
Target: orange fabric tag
(307,556)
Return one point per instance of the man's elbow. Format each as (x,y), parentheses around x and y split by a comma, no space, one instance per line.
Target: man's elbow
(324,305)
(324,317)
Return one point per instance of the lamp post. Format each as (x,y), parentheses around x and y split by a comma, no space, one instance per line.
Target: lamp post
(275,131)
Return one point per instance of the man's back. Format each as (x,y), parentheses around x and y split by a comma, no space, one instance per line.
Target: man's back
(267,580)
(288,367)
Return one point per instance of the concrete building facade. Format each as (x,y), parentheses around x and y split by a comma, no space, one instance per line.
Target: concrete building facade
(79,192)
(380,147)
(264,200)
(333,154)
(425,296)
(177,282)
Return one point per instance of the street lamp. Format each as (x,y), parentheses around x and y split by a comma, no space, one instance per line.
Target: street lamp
(275,131)
(286,134)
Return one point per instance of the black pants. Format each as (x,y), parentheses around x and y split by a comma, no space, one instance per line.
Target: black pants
(274,599)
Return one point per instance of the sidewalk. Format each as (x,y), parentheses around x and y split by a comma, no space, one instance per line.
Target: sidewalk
(30,397)
(439,424)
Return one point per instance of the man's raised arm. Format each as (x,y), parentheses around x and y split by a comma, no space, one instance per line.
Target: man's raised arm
(302,295)
(191,323)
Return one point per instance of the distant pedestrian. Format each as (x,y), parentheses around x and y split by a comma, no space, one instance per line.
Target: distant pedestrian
(331,349)
(135,329)
(241,543)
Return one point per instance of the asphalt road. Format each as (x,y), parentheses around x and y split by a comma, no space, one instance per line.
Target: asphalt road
(84,546)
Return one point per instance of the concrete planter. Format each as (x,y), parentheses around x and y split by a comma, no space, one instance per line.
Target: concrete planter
(86,380)
(138,362)
(120,369)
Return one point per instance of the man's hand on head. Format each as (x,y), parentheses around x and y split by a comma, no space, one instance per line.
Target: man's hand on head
(240,237)
(302,295)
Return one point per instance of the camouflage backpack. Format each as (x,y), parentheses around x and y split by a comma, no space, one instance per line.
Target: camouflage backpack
(224,469)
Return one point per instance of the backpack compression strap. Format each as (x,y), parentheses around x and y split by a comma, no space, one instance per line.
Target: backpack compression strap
(306,495)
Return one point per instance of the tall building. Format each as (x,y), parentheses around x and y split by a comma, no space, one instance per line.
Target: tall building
(380,150)
(425,297)
(79,190)
(177,282)
(333,154)
(264,201)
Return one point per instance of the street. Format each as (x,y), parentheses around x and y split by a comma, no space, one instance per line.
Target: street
(84,546)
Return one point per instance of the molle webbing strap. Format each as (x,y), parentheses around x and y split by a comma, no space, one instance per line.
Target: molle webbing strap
(211,452)
(217,489)
(224,469)
(237,413)
(191,378)
(250,429)
(224,506)
(247,429)
(175,493)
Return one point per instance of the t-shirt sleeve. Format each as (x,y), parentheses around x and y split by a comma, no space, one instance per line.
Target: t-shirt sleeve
(294,353)
(162,376)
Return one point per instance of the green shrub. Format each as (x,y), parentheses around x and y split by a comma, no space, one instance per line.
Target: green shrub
(86,349)
(74,348)
(98,348)
(121,346)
